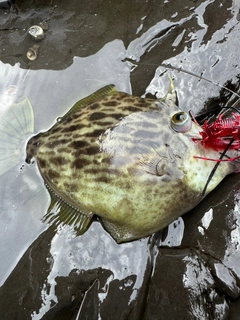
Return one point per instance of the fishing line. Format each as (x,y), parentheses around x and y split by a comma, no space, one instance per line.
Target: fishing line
(199,77)
(179,69)
(215,167)
(232,107)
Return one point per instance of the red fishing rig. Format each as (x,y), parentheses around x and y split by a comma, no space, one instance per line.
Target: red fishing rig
(220,135)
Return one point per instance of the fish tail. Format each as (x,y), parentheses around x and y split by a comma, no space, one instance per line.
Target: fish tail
(16,123)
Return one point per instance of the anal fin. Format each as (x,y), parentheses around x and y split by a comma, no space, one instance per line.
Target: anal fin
(61,213)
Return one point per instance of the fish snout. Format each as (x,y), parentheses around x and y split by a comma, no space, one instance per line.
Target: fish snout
(32,147)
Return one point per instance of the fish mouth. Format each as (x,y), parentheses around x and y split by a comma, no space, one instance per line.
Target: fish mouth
(31,150)
(196,133)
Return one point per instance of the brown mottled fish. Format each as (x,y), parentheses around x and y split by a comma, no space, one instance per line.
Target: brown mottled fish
(125,159)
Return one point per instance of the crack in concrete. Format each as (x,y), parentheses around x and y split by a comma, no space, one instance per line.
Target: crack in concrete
(13,29)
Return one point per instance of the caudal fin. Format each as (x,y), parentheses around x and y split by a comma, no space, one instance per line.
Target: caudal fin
(16,123)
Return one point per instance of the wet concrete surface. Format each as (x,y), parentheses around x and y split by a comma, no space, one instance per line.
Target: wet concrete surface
(190,270)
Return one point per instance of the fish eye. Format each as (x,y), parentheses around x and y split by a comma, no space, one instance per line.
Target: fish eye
(181,122)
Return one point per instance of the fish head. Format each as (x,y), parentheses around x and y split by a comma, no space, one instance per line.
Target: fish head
(152,153)
(162,141)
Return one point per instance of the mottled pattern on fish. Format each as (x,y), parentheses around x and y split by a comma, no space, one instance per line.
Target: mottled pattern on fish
(120,159)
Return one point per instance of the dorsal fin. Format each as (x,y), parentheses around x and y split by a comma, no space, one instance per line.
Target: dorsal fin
(99,94)
(61,213)
(170,99)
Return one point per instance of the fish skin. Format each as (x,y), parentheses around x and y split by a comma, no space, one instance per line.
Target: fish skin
(119,158)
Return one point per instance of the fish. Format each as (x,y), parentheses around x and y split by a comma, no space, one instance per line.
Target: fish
(135,163)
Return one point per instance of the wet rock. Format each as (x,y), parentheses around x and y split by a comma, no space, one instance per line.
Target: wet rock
(22,291)
(226,279)
(5,4)
(77,295)
(183,285)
